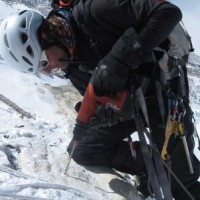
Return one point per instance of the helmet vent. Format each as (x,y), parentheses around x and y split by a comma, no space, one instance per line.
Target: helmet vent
(29,50)
(13,56)
(5,26)
(24,37)
(6,40)
(22,12)
(30,69)
(26,60)
(23,24)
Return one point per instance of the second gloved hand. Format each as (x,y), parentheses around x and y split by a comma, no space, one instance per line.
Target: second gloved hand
(105,117)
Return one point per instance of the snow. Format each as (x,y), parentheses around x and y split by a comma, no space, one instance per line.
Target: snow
(28,91)
(33,151)
(36,146)
(6,10)
(34,159)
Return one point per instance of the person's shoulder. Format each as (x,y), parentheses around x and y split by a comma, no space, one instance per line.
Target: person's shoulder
(104,6)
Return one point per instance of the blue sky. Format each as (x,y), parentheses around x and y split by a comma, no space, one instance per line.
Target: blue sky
(191,19)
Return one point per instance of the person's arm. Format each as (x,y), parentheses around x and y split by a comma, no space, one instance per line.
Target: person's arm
(160,24)
(133,49)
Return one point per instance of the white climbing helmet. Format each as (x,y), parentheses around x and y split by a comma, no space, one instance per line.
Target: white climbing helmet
(19,43)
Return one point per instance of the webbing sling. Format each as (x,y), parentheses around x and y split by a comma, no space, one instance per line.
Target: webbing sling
(163,178)
(160,100)
(182,81)
(148,161)
(160,186)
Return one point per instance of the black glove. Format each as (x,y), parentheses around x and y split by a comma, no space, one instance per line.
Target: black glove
(110,77)
(111,74)
(130,51)
(105,117)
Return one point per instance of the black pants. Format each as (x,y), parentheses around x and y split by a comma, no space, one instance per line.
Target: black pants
(105,147)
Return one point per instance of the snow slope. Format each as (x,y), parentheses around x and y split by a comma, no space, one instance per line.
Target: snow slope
(34,162)
(33,152)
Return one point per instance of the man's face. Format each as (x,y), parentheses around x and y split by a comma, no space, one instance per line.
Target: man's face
(57,58)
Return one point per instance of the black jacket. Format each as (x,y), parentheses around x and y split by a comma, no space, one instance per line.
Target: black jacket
(100,24)
(106,20)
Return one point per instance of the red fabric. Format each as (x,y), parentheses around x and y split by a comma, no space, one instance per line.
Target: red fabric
(65,3)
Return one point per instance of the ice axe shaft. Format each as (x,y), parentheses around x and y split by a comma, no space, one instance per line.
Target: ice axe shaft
(70,156)
(187,154)
(185,145)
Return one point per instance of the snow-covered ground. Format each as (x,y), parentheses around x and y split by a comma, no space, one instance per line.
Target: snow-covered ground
(34,161)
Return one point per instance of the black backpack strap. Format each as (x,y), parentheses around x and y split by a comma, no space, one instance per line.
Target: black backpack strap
(156,172)
(188,37)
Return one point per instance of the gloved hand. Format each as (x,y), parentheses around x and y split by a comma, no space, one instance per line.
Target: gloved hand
(105,117)
(110,77)
(112,72)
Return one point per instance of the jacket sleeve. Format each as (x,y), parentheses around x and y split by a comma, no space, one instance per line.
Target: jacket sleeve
(133,48)
(161,21)
(153,20)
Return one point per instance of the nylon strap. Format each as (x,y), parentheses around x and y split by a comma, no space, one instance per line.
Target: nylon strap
(160,100)
(163,178)
(160,186)
(182,81)
(148,161)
